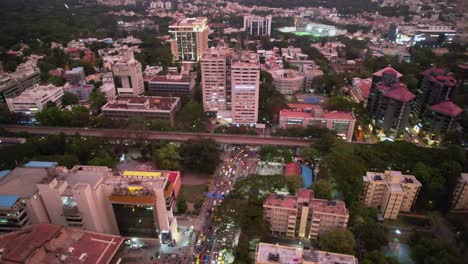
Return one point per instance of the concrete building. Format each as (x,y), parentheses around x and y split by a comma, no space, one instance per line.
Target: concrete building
(151,107)
(257,25)
(75,75)
(189,38)
(281,254)
(460,194)
(13,84)
(245,86)
(360,89)
(35,99)
(303,216)
(128,77)
(391,192)
(341,122)
(131,26)
(216,79)
(81,90)
(108,89)
(389,103)
(288,81)
(439,119)
(171,85)
(46,243)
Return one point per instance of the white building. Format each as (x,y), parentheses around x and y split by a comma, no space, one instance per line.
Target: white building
(257,25)
(35,99)
(13,84)
(128,77)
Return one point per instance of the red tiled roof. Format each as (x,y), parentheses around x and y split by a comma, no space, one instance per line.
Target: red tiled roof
(365,86)
(397,91)
(388,70)
(447,108)
(324,206)
(295,114)
(304,193)
(73,50)
(439,75)
(293,169)
(326,114)
(338,115)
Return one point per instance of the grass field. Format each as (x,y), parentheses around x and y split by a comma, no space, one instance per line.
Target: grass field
(192,193)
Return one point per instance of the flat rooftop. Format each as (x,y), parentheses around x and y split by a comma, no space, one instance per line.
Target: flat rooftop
(329,207)
(22,181)
(142,103)
(189,22)
(274,253)
(285,201)
(171,79)
(47,243)
(325,257)
(81,174)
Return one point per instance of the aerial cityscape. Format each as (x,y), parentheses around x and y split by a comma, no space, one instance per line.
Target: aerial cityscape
(233,131)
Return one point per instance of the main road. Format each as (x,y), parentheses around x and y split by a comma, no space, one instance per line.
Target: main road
(160,135)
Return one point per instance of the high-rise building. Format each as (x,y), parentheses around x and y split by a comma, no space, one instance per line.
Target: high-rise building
(189,38)
(216,79)
(304,216)
(390,102)
(128,77)
(390,191)
(245,86)
(460,193)
(257,25)
(439,119)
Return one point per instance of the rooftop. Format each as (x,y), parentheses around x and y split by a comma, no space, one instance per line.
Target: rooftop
(397,91)
(364,85)
(143,103)
(328,206)
(440,76)
(331,115)
(22,181)
(47,243)
(8,200)
(81,174)
(40,164)
(37,92)
(275,253)
(190,22)
(388,70)
(293,169)
(171,78)
(285,201)
(335,258)
(76,70)
(447,108)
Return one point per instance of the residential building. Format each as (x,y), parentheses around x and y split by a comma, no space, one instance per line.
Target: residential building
(303,216)
(128,77)
(390,102)
(20,200)
(13,84)
(47,243)
(439,119)
(151,107)
(190,38)
(360,89)
(75,75)
(341,122)
(216,79)
(33,100)
(171,85)
(81,90)
(89,57)
(245,86)
(108,89)
(288,81)
(131,26)
(460,194)
(257,25)
(281,254)
(392,192)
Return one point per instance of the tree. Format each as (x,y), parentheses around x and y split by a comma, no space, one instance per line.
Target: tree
(69,99)
(309,154)
(322,189)
(268,153)
(167,157)
(6,117)
(181,206)
(337,240)
(378,257)
(287,155)
(96,100)
(200,155)
(370,235)
(426,250)
(191,117)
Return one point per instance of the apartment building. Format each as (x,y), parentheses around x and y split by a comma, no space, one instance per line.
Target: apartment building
(189,38)
(281,254)
(33,100)
(81,90)
(460,194)
(257,25)
(288,81)
(303,216)
(151,107)
(216,79)
(13,84)
(75,75)
(245,86)
(391,191)
(172,85)
(128,77)
(439,119)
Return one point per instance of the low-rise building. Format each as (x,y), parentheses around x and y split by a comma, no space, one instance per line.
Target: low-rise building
(460,194)
(303,216)
(35,99)
(171,85)
(75,75)
(360,89)
(13,84)
(288,81)
(108,89)
(151,107)
(81,90)
(391,192)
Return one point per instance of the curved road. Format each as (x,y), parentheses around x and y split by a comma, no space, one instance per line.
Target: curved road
(158,135)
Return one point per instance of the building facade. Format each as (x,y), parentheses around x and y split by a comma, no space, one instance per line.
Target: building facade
(81,90)
(460,194)
(439,119)
(171,85)
(288,81)
(35,99)
(391,192)
(13,84)
(75,75)
(257,25)
(245,86)
(128,77)
(303,216)
(190,38)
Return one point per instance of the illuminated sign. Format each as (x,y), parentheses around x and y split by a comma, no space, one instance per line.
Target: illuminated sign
(130,173)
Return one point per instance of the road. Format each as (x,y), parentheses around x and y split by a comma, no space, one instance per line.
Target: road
(158,135)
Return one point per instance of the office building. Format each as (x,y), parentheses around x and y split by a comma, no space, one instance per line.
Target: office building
(389,103)
(257,25)
(281,254)
(81,90)
(47,243)
(288,81)
(428,35)
(460,193)
(13,84)
(189,38)
(171,85)
(392,192)
(35,99)
(216,79)
(434,87)
(313,115)
(75,75)
(303,216)
(128,77)
(245,86)
(151,107)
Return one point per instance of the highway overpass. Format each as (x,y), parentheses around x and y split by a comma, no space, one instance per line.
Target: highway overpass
(158,135)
